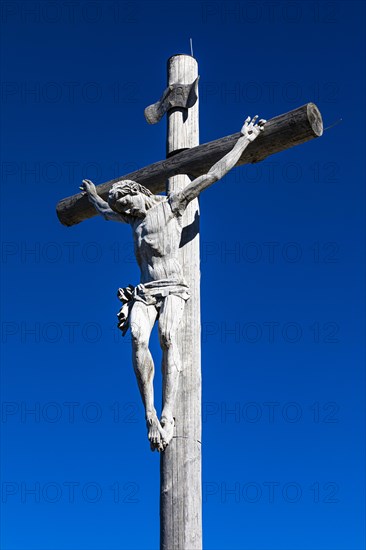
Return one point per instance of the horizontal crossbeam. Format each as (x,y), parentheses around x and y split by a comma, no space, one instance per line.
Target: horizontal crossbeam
(280,133)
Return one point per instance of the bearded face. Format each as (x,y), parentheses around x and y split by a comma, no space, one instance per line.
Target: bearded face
(131,205)
(129,198)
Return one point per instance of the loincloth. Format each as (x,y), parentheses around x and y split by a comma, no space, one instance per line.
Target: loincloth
(151,294)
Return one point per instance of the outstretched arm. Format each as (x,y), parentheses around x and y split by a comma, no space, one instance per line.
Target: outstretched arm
(249,132)
(100,205)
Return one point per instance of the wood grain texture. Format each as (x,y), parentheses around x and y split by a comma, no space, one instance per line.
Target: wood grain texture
(180,463)
(280,133)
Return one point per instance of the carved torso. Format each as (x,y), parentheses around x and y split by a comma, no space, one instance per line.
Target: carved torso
(156,240)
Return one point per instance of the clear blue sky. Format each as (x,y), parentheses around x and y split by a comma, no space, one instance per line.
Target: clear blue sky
(282,276)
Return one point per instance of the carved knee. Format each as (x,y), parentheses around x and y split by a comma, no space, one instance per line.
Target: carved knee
(138,338)
(166,340)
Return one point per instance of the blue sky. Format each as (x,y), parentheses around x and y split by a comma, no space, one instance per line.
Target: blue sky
(282,277)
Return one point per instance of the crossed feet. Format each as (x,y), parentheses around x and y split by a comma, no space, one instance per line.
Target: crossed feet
(160,433)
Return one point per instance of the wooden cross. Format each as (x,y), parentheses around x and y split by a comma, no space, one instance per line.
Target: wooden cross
(180,485)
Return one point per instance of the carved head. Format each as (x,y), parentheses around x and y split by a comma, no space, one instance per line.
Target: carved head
(129,199)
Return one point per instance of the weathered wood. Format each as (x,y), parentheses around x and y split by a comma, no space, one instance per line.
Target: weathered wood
(180,463)
(280,133)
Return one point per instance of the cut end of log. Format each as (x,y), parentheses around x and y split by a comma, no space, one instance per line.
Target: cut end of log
(59,213)
(315,119)
(75,209)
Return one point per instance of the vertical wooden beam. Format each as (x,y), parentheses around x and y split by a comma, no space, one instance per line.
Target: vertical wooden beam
(180,465)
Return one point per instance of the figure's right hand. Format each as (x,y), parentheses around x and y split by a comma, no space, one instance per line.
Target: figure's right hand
(88,187)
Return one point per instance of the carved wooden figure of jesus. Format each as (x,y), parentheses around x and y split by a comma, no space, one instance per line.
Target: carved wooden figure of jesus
(156,223)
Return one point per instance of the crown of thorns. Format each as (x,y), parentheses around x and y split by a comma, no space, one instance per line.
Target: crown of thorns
(127,187)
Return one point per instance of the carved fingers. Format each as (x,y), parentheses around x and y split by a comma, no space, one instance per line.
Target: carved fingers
(251,129)
(87,187)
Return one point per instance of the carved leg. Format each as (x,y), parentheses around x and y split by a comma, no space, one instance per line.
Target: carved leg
(142,319)
(170,317)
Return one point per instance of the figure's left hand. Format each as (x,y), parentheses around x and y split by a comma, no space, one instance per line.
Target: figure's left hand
(251,130)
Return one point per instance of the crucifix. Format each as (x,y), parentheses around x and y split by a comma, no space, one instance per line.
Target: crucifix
(166,239)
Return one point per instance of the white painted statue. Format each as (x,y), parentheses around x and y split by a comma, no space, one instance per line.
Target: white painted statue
(156,222)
